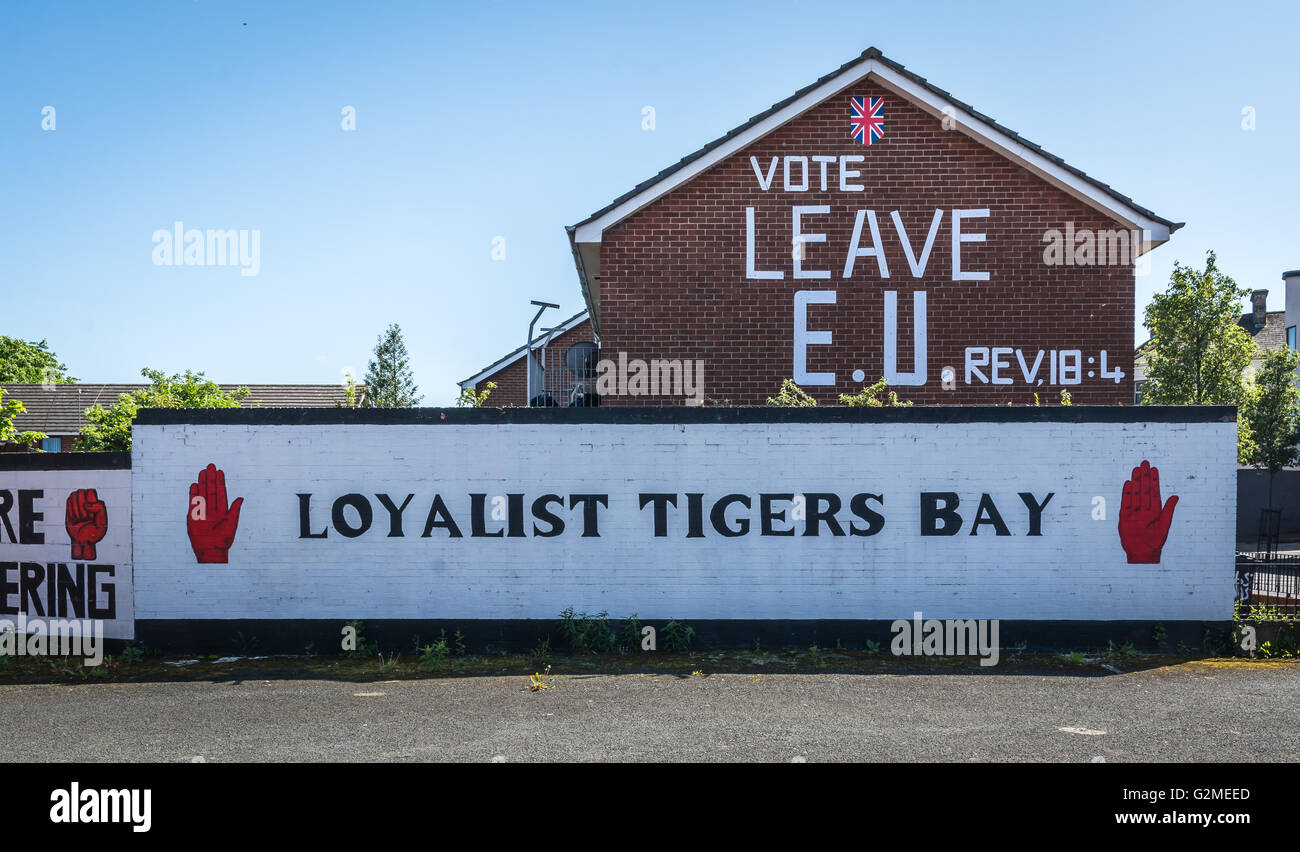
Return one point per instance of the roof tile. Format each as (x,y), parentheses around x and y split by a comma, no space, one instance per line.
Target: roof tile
(58,409)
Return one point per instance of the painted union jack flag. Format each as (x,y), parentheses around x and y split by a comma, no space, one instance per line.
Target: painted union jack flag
(866,124)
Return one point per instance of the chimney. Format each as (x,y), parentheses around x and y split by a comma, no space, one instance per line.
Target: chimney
(1292,304)
(1259,300)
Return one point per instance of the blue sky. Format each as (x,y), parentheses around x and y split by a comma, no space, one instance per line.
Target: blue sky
(483,120)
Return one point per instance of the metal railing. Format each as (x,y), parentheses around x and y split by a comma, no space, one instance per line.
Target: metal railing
(1268,582)
(565,375)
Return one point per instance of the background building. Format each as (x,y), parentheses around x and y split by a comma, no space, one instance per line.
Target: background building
(59,410)
(546,359)
(1291,280)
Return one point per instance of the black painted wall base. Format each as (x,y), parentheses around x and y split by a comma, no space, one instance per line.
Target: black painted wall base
(324,636)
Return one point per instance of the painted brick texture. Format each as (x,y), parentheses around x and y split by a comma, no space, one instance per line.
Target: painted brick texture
(112,489)
(673,275)
(1076,569)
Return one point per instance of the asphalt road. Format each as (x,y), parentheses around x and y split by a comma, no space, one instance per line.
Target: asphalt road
(1208,711)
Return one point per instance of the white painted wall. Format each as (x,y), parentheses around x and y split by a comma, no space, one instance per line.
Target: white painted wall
(113,488)
(1075,570)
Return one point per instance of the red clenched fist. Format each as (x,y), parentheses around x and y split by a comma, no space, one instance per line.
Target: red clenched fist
(1143,521)
(86,521)
(210,522)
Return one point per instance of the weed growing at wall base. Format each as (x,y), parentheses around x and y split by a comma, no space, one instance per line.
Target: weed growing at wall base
(354,643)
(678,636)
(436,655)
(587,633)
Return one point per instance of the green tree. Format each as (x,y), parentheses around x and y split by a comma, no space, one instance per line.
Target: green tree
(8,432)
(1270,416)
(389,381)
(110,428)
(27,362)
(1198,349)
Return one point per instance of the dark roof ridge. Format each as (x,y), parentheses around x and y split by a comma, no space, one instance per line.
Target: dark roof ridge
(874,53)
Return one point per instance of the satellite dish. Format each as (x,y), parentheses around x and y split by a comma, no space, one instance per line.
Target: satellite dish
(581,359)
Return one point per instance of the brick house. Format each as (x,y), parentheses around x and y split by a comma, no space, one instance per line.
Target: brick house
(869,225)
(545,356)
(58,410)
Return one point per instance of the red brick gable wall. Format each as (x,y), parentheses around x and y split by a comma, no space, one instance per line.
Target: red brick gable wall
(674,286)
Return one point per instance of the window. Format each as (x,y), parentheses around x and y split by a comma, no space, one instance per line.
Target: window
(52,445)
(1290,338)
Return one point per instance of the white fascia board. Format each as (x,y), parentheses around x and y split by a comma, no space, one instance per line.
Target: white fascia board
(1020,153)
(975,128)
